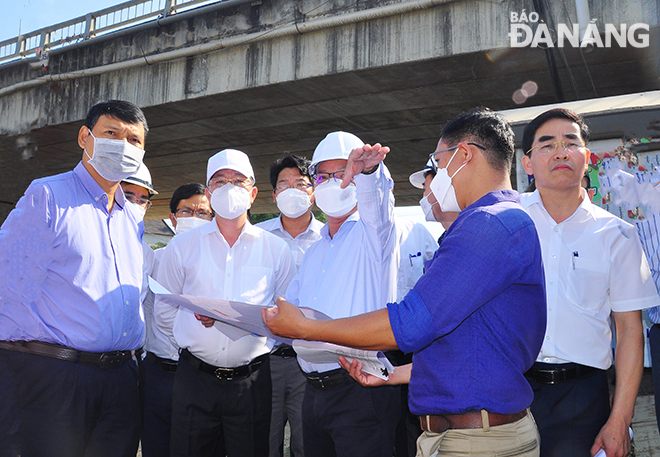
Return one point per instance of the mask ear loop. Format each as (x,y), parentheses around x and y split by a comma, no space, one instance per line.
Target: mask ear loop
(459,168)
(85,149)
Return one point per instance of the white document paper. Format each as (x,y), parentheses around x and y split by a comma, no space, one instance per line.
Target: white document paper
(373,362)
(237,319)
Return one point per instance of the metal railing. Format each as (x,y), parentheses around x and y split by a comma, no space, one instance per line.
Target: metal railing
(39,42)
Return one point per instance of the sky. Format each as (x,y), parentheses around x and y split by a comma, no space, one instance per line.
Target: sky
(35,14)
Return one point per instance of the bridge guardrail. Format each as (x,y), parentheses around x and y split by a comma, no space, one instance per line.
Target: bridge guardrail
(39,42)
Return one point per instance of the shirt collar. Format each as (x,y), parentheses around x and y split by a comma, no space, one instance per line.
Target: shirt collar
(93,188)
(350,220)
(314,225)
(585,206)
(496,196)
(248,230)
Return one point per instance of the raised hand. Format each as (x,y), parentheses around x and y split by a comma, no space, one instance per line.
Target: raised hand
(365,158)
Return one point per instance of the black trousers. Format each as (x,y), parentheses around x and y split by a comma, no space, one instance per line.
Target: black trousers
(158,392)
(350,421)
(214,417)
(570,415)
(57,408)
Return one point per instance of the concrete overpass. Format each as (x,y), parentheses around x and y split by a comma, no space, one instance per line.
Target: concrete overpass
(274,77)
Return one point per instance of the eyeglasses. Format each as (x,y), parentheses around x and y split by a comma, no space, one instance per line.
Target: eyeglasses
(322,177)
(302,185)
(221,181)
(434,162)
(187,212)
(550,148)
(133,198)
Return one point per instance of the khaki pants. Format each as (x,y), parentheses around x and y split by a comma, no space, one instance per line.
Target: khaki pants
(519,439)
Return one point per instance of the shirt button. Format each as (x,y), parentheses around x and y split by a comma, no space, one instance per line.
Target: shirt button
(550,309)
(547,337)
(332,245)
(552,283)
(223,349)
(127,302)
(556,229)
(547,359)
(125,334)
(554,256)
(323,271)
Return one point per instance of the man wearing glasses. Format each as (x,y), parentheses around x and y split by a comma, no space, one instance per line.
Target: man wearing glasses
(475,319)
(594,268)
(293,194)
(222,387)
(350,270)
(189,207)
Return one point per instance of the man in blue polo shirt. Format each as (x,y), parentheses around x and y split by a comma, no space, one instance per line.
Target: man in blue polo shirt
(476,318)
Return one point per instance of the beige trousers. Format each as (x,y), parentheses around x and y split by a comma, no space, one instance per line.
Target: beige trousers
(518,439)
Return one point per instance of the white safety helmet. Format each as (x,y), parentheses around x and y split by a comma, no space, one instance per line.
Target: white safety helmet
(417,178)
(336,145)
(142,177)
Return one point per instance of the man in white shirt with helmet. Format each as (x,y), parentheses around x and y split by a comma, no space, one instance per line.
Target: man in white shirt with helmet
(350,270)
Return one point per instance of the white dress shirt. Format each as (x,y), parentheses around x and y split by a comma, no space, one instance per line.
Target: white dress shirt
(200,262)
(416,247)
(353,272)
(299,244)
(594,264)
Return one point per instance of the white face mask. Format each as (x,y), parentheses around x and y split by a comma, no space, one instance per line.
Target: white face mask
(141,210)
(115,160)
(333,200)
(428,208)
(293,202)
(230,201)
(443,189)
(183,224)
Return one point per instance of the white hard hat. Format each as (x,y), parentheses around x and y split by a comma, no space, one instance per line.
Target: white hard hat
(417,178)
(336,145)
(229,159)
(142,177)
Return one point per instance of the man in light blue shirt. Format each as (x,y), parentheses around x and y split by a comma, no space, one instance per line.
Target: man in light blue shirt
(70,320)
(351,270)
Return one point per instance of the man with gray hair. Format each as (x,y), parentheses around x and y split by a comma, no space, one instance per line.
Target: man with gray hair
(222,387)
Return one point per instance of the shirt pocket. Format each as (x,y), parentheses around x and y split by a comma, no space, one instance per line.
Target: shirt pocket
(587,283)
(256,285)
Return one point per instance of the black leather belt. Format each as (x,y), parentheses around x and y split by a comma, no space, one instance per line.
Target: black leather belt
(285,351)
(168,365)
(329,379)
(555,373)
(105,360)
(226,374)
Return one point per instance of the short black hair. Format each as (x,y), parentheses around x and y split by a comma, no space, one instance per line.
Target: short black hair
(184,192)
(120,109)
(289,161)
(557,113)
(488,129)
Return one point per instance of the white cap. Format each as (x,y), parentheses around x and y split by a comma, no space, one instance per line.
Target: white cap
(336,145)
(142,177)
(418,177)
(229,159)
